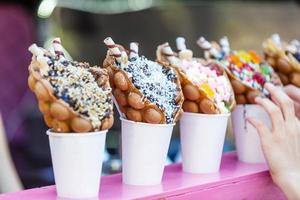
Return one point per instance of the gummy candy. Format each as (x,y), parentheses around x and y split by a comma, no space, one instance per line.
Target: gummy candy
(254,57)
(235,59)
(207,89)
(264,69)
(247,67)
(244,55)
(259,78)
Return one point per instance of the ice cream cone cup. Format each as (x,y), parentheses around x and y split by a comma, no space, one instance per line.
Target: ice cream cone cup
(202,140)
(77,163)
(246,137)
(144,151)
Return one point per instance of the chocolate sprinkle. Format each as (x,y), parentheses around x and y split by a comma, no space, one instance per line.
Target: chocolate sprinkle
(74,83)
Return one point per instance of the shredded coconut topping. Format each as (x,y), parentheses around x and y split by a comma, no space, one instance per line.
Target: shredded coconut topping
(156,82)
(74,83)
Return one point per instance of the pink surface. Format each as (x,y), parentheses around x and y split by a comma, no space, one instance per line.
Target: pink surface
(236,180)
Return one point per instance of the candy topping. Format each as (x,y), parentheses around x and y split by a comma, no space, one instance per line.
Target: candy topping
(210,80)
(254,57)
(207,89)
(247,67)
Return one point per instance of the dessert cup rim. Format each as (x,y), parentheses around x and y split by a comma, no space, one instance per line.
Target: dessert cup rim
(247,105)
(72,134)
(146,124)
(207,115)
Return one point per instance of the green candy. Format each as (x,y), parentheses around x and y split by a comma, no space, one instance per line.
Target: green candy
(265,69)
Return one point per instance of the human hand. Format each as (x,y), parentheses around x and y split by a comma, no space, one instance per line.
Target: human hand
(281,144)
(294,93)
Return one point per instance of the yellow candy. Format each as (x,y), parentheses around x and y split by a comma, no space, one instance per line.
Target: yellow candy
(254,57)
(207,89)
(244,55)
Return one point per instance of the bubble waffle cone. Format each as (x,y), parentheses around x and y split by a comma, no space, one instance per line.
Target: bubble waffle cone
(135,94)
(244,94)
(199,98)
(64,111)
(284,58)
(246,70)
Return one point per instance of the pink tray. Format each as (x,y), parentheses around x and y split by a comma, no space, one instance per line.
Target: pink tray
(236,180)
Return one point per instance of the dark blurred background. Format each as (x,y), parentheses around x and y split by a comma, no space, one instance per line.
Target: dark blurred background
(82,26)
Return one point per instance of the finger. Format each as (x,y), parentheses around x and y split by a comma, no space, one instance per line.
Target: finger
(297,109)
(261,128)
(285,103)
(273,111)
(293,92)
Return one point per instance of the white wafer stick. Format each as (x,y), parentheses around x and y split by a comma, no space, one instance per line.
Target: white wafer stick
(40,57)
(224,42)
(180,43)
(296,44)
(134,50)
(39,53)
(207,46)
(58,49)
(204,44)
(114,50)
(276,39)
(35,50)
(225,45)
(214,52)
(184,53)
(291,48)
(124,57)
(168,52)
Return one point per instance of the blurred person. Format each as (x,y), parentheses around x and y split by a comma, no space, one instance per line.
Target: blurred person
(22,121)
(281,144)
(9,179)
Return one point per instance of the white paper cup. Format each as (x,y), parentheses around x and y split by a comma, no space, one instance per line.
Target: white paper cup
(144,151)
(246,137)
(77,163)
(202,140)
